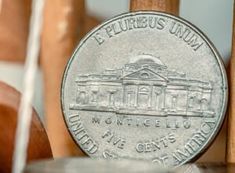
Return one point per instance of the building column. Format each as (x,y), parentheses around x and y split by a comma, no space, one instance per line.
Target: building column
(137,96)
(111,99)
(123,95)
(163,98)
(150,96)
(157,97)
(174,101)
(187,101)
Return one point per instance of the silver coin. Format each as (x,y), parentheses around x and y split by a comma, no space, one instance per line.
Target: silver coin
(74,165)
(145,85)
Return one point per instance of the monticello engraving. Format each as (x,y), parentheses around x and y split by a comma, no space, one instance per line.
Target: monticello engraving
(144,87)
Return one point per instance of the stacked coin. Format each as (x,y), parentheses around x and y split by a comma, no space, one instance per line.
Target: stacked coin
(145,85)
(206,168)
(74,165)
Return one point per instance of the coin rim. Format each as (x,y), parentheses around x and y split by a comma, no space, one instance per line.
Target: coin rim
(216,54)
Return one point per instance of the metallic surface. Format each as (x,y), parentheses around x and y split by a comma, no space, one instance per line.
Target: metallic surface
(145,85)
(206,168)
(74,165)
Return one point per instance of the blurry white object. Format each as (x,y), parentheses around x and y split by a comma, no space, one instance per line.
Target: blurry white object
(25,107)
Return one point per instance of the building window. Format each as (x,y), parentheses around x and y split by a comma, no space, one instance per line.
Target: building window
(144,75)
(81,98)
(143,90)
(111,98)
(174,101)
(94,96)
(191,101)
(204,104)
(144,97)
(130,99)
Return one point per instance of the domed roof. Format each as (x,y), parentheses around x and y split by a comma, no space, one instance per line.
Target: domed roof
(146,59)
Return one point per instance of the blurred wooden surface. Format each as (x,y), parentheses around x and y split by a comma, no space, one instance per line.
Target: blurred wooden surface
(61,30)
(39,147)
(231,118)
(65,22)
(168,6)
(14,27)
